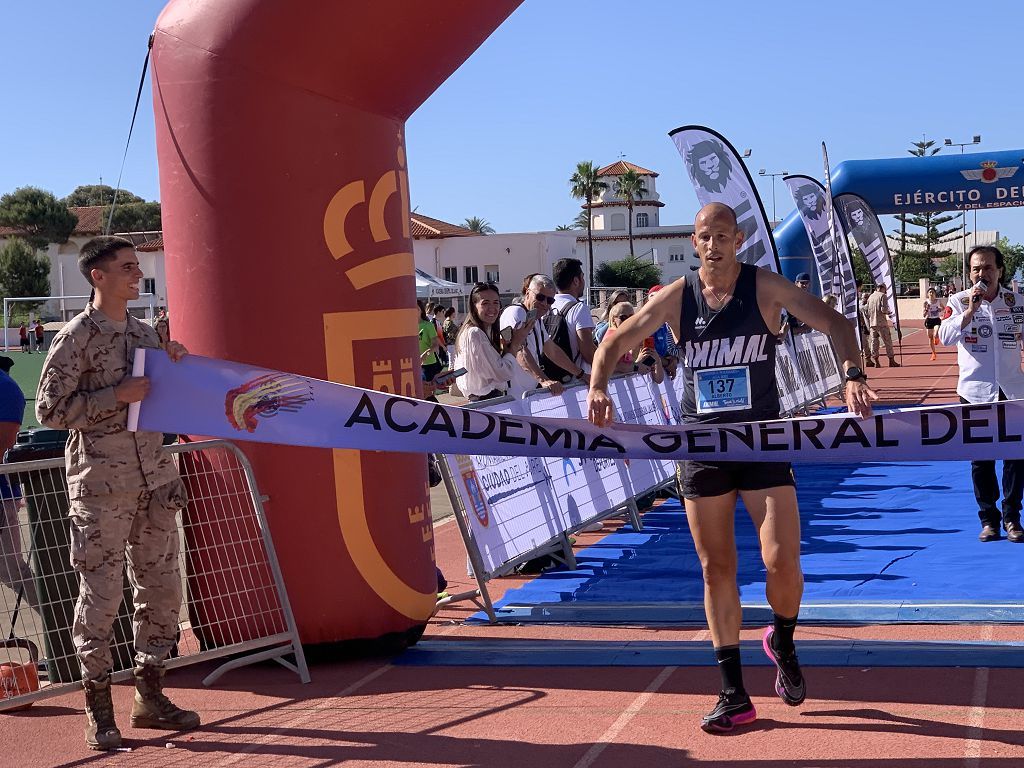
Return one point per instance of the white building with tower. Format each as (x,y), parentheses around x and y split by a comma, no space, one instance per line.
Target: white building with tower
(667,245)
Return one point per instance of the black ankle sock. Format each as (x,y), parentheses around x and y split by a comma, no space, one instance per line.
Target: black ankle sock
(782,638)
(730,668)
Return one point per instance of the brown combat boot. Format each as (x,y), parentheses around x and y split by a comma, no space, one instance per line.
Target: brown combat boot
(154,710)
(100,731)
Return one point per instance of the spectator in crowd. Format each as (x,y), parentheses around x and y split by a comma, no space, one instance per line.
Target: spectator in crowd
(429,344)
(489,360)
(795,325)
(878,321)
(568,275)
(932,318)
(14,569)
(125,493)
(23,337)
(449,329)
(602,324)
(645,361)
(39,335)
(538,296)
(830,300)
(981,323)
(663,342)
(437,315)
(863,292)
(162,326)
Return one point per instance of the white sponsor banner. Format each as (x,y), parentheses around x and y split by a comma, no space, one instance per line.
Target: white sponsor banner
(636,403)
(218,398)
(508,501)
(788,379)
(719,176)
(863,224)
(585,486)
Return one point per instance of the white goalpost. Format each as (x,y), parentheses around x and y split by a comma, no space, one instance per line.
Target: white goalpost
(150,308)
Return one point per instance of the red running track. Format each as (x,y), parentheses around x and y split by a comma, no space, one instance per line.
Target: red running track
(367,712)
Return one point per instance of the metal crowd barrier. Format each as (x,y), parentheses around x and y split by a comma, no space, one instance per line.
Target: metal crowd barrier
(502,529)
(235,600)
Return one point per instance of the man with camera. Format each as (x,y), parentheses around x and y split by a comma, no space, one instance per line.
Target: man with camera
(536,301)
(985,322)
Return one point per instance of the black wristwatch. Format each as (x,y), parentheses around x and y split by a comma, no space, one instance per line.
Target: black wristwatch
(854,373)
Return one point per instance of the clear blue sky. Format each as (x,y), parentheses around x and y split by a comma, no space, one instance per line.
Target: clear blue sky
(569,80)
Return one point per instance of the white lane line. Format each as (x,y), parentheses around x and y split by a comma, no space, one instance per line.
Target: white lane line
(616,728)
(976,717)
(305,715)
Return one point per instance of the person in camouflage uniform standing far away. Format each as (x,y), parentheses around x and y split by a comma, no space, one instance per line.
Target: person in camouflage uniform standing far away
(124,489)
(162,325)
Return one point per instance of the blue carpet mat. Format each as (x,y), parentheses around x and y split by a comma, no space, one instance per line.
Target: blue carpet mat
(882,543)
(497,652)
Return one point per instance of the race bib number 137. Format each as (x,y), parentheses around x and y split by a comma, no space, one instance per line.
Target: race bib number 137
(722,389)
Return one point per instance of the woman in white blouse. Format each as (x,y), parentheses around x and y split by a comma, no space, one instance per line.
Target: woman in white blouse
(489,363)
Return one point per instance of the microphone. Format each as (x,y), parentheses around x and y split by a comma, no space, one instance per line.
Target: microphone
(984,287)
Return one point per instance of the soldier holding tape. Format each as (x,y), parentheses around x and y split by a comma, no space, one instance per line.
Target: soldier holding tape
(724,318)
(125,492)
(985,323)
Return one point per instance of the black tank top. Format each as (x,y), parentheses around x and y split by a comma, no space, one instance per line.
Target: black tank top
(731,351)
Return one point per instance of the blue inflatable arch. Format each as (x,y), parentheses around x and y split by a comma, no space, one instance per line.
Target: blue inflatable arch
(913,185)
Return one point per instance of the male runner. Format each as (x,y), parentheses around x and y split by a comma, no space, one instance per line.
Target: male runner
(724,305)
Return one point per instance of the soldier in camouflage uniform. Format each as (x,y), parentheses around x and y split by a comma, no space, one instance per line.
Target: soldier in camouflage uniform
(163,327)
(125,492)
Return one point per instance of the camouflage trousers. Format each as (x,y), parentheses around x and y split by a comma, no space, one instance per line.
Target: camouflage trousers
(880,333)
(107,532)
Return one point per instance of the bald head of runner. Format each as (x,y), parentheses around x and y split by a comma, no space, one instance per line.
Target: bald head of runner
(716,238)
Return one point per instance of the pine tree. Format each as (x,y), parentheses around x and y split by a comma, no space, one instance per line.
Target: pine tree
(23,272)
(913,263)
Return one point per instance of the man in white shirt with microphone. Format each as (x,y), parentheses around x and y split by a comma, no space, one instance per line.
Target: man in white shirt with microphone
(985,323)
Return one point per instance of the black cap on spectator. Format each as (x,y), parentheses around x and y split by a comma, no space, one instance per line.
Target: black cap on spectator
(6,363)
(803,276)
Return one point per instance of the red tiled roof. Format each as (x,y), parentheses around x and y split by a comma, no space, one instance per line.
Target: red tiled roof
(426,227)
(90,221)
(622,204)
(156,244)
(619,167)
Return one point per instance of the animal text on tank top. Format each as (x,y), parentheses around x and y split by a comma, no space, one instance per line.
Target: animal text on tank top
(729,355)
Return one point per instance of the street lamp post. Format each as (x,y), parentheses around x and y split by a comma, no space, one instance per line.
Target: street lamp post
(976,139)
(763,172)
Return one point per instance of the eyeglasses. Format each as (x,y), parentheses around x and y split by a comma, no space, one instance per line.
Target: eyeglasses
(544,299)
(623,317)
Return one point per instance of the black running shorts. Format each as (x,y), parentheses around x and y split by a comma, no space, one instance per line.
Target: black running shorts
(698,479)
(932,322)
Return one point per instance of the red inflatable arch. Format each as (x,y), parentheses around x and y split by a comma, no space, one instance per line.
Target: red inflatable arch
(280,136)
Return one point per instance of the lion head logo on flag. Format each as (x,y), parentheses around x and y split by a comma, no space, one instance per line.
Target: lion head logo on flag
(810,201)
(264,397)
(709,165)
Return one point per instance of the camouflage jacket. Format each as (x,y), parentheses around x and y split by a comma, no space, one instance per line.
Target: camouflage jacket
(87,359)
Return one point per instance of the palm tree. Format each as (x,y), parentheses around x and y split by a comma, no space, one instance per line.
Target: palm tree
(584,185)
(478,225)
(630,186)
(564,228)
